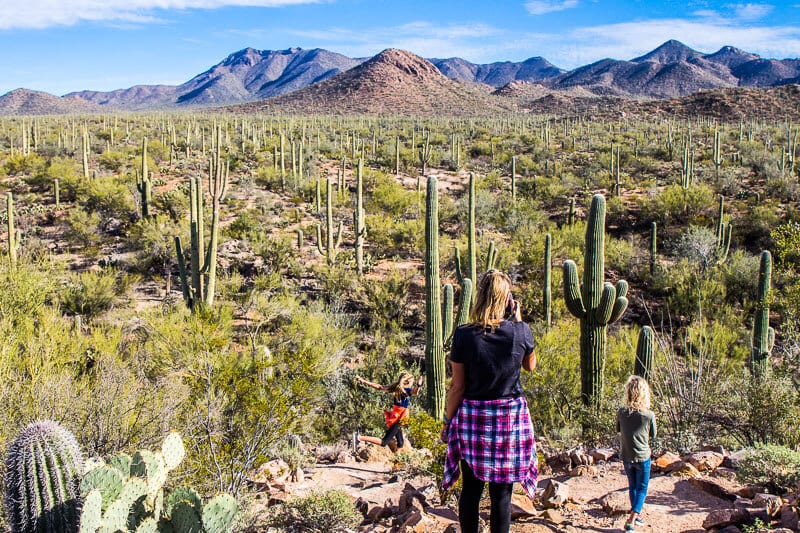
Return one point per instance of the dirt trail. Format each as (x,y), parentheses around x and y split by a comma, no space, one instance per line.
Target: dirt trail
(673,505)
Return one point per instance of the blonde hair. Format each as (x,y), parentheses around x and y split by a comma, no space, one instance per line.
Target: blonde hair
(404,381)
(637,393)
(494,289)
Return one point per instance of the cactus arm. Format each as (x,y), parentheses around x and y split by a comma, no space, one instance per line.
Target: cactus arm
(621,302)
(320,249)
(339,233)
(605,306)
(187,296)
(572,290)
(457,262)
(643,366)
(447,313)
(465,302)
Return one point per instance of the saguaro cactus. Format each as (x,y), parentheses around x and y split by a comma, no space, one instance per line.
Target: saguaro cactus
(331,244)
(43,469)
(724,232)
(595,303)
(143,184)
(434,342)
(653,256)
(13,234)
(763,335)
(643,366)
(546,289)
(203,263)
(360,227)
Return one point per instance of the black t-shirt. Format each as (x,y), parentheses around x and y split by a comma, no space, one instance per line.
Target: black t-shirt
(492,360)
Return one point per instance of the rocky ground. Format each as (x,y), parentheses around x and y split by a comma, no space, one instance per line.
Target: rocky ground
(587,492)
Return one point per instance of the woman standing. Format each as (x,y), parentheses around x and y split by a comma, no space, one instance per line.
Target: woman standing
(637,425)
(487,425)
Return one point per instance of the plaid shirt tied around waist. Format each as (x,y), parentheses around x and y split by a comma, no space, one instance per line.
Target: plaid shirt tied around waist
(495,438)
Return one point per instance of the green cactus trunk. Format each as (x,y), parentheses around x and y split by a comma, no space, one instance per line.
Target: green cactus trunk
(547,290)
(763,335)
(143,184)
(12,234)
(434,343)
(472,249)
(653,256)
(360,228)
(43,470)
(643,366)
(595,303)
(57,193)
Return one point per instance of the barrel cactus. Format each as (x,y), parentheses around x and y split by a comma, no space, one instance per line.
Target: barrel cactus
(43,469)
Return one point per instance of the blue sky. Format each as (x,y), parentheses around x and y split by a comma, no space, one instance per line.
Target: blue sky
(66,45)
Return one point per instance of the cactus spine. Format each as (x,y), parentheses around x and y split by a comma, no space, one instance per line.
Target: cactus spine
(143,184)
(594,303)
(643,366)
(434,343)
(547,289)
(43,469)
(360,228)
(763,335)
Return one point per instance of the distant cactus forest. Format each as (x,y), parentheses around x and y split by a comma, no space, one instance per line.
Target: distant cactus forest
(207,286)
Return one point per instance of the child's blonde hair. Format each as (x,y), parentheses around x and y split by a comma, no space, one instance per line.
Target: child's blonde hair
(491,299)
(637,393)
(404,381)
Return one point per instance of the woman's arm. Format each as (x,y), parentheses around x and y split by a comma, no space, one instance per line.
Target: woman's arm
(454,396)
(416,389)
(376,386)
(529,361)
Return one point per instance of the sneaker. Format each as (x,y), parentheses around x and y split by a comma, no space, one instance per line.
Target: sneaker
(628,526)
(639,521)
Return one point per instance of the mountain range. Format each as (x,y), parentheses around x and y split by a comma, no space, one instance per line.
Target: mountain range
(671,70)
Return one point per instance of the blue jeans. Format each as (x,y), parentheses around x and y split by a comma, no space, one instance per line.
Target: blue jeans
(638,478)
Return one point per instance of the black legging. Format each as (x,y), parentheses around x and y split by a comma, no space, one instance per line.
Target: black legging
(396,431)
(469,503)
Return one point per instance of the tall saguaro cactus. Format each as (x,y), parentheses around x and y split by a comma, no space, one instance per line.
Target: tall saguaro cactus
(547,296)
(43,470)
(595,303)
(199,289)
(13,233)
(763,335)
(434,342)
(643,366)
(361,229)
(143,184)
(331,244)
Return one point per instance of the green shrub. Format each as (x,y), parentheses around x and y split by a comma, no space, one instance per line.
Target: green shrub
(90,294)
(771,464)
(331,511)
(82,230)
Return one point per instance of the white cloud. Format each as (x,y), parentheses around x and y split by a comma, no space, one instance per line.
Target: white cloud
(630,39)
(751,11)
(540,7)
(46,13)
(422,38)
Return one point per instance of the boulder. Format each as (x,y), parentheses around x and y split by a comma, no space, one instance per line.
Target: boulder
(733,460)
(718,448)
(725,473)
(411,500)
(665,461)
(578,456)
(725,517)
(602,454)
(272,471)
(555,494)
(764,500)
(704,461)
(790,518)
(553,516)
(684,470)
(522,507)
(711,487)
(583,470)
(617,502)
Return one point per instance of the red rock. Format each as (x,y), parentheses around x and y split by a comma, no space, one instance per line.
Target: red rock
(583,470)
(665,461)
(617,502)
(710,487)
(555,494)
(602,454)
(790,518)
(704,461)
(725,517)
(522,507)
